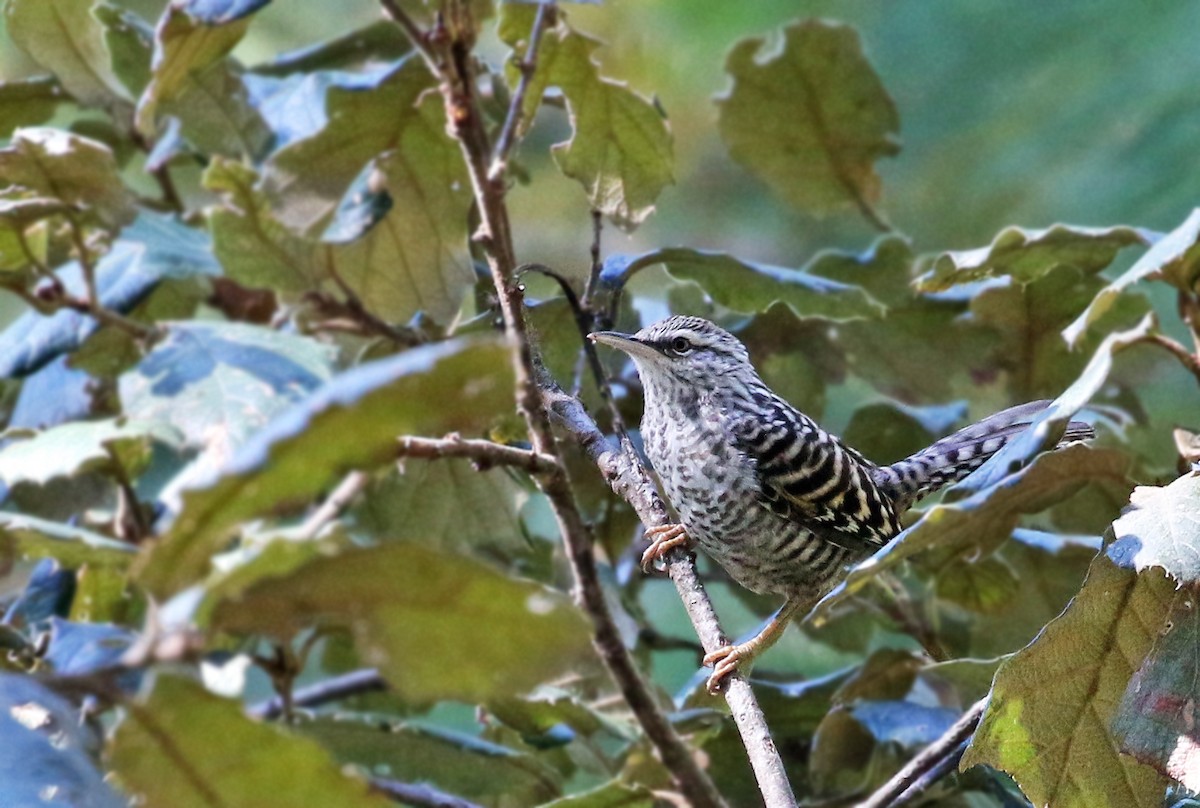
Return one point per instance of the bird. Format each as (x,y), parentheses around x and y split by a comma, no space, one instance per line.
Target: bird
(783,505)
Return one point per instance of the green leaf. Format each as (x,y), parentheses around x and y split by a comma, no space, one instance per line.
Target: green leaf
(183,47)
(887,431)
(65,37)
(621,150)
(130,41)
(983,521)
(215,113)
(423,501)
(1047,722)
(614,794)
(811,119)
(1027,255)
(219,383)
(186,747)
(467,767)
(1175,257)
(427,620)
(73,169)
(747,286)
(304,450)
(79,447)
(1158,720)
(71,546)
(1160,530)
(29,102)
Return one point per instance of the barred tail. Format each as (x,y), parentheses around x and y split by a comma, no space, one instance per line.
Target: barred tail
(957,455)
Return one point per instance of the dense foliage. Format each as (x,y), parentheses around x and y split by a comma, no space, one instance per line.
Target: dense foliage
(241,281)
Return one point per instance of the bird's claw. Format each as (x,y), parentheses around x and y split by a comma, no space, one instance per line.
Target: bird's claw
(725,661)
(663,539)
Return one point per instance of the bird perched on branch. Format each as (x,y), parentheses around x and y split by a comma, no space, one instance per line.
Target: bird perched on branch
(781,504)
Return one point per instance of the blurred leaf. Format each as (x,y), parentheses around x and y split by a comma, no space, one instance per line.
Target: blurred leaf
(903,722)
(621,150)
(1175,257)
(795,357)
(884,270)
(1029,318)
(77,649)
(215,113)
(65,37)
(302,451)
(984,586)
(219,383)
(53,395)
(610,795)
(886,675)
(75,170)
(152,249)
(1027,255)
(77,447)
(30,101)
(430,622)
(1047,722)
(751,287)
(467,767)
(446,503)
(810,120)
(70,545)
(48,593)
(163,753)
(130,43)
(987,518)
(887,431)
(1160,529)
(101,596)
(1158,720)
(48,751)
(184,46)
(545,709)
(382,39)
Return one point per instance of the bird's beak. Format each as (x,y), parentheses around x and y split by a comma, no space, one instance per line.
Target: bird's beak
(622,342)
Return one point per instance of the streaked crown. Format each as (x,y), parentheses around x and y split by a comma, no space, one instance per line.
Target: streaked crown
(688,350)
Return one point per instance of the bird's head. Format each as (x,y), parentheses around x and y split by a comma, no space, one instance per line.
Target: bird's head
(686,350)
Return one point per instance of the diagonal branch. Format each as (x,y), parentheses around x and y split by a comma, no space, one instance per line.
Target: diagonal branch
(447,52)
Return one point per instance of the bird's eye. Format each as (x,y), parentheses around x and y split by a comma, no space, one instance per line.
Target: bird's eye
(681,346)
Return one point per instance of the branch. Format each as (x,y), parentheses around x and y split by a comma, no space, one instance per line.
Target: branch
(453,64)
(528,66)
(1185,357)
(419,795)
(933,762)
(347,491)
(485,453)
(366,680)
(624,472)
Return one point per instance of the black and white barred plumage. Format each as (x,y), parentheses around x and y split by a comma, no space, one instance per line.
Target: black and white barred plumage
(783,505)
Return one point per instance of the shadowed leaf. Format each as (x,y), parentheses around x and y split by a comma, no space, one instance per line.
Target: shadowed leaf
(428,621)
(71,546)
(811,119)
(164,753)
(29,102)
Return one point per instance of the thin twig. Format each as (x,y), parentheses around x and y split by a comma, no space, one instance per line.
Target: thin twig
(419,795)
(85,261)
(454,66)
(516,106)
(630,480)
(483,452)
(366,680)
(597,266)
(415,35)
(929,760)
(1185,357)
(347,491)
(926,780)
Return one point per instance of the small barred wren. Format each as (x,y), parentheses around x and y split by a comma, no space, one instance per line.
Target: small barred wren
(781,504)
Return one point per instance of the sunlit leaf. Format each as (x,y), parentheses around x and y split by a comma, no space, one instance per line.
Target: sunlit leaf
(427,620)
(64,37)
(48,750)
(1158,720)
(461,765)
(1026,255)
(303,450)
(163,753)
(621,149)
(71,546)
(1161,529)
(79,447)
(811,119)
(1047,722)
(1174,257)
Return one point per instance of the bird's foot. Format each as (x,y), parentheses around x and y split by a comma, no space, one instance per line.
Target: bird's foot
(728,659)
(663,539)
